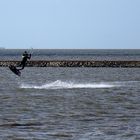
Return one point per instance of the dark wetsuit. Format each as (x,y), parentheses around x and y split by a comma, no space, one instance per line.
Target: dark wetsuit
(25,57)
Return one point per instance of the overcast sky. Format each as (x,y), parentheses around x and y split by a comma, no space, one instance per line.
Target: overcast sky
(68,24)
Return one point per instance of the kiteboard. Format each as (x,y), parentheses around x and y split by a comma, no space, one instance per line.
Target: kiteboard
(14,70)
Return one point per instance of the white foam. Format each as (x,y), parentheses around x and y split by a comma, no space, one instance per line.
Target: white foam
(68,85)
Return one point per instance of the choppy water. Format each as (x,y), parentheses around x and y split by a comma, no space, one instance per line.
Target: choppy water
(38,54)
(70,104)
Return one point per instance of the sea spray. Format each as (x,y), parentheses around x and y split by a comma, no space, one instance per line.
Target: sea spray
(58,84)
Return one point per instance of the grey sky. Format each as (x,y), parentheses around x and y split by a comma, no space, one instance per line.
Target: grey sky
(65,24)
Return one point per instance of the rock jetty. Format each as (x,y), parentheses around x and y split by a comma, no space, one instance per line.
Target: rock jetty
(73,63)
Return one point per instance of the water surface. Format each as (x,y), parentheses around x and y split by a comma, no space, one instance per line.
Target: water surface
(70,104)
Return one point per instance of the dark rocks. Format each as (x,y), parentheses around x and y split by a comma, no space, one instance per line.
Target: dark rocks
(73,63)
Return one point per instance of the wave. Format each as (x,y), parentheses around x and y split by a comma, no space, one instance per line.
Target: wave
(69,85)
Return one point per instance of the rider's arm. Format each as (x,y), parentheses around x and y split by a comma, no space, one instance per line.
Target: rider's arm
(29,56)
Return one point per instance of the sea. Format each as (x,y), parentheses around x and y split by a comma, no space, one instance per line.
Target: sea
(56,103)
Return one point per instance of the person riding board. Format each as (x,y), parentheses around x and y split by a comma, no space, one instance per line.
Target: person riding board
(25,57)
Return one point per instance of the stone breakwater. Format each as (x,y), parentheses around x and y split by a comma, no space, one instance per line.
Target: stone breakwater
(73,63)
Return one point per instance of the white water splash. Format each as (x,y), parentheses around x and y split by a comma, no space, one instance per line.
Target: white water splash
(68,85)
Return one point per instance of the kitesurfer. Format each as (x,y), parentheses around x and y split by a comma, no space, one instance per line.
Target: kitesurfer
(25,57)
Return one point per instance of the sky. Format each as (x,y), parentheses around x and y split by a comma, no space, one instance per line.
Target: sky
(70,24)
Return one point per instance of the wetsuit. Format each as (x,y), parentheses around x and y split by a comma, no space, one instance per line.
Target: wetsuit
(25,57)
